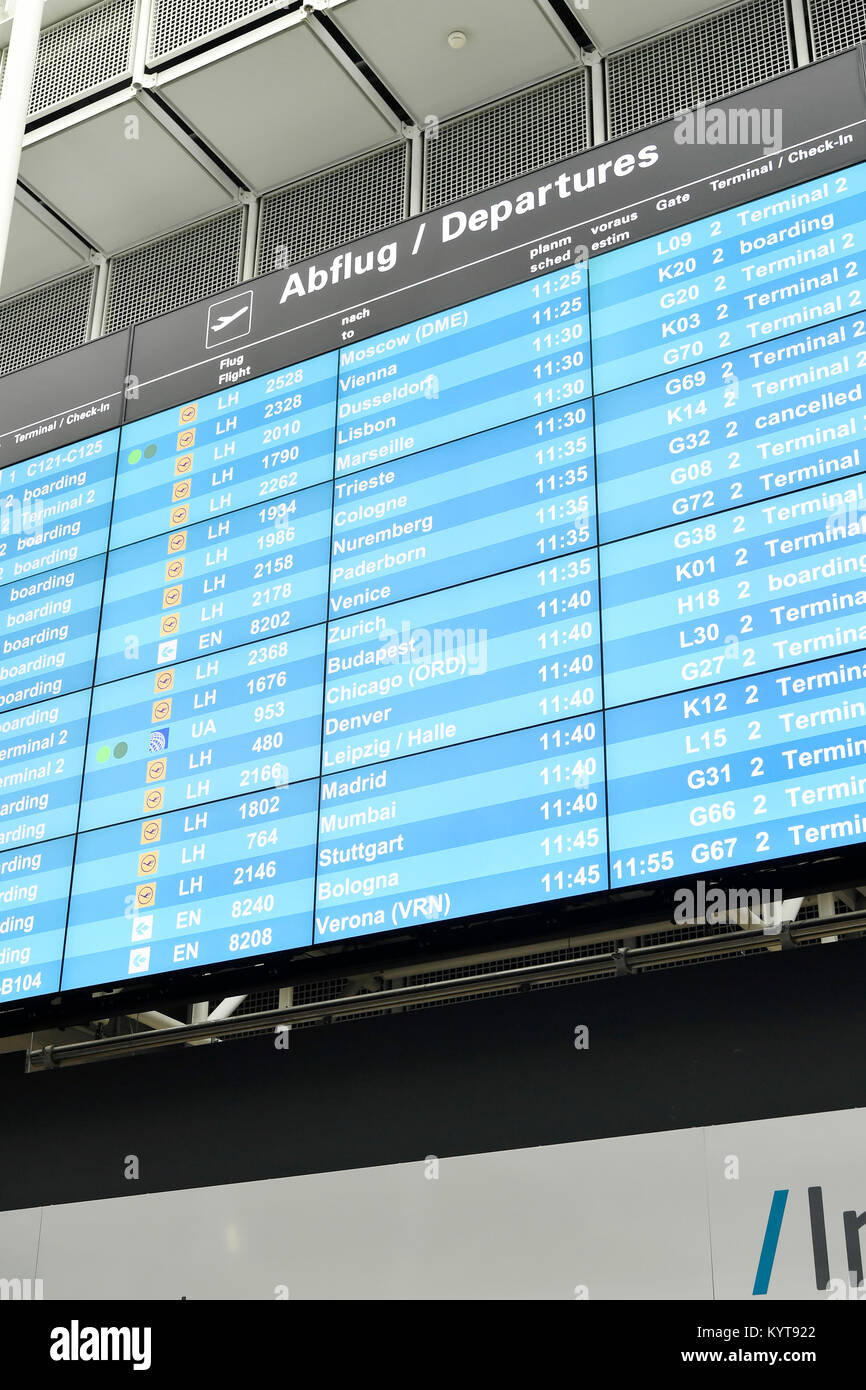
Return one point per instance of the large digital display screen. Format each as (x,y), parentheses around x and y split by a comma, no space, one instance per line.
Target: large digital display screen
(554,590)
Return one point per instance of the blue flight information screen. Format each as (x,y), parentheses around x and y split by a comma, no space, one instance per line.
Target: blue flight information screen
(556,591)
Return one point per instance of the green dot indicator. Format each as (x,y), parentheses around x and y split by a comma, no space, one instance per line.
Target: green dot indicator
(121,749)
(103,755)
(135,456)
(150,451)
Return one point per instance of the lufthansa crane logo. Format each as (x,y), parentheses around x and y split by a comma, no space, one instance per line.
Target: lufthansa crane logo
(229,319)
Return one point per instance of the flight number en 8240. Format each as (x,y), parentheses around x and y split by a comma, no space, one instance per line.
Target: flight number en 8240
(251,907)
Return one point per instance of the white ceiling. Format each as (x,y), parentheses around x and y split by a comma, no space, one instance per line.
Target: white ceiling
(511,43)
(53,12)
(37,252)
(289,85)
(118,191)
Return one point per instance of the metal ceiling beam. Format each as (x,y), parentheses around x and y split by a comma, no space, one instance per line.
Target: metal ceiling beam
(226,1008)
(564,18)
(614,964)
(139,44)
(354,64)
(227,45)
(50,219)
(152,1018)
(801,33)
(172,124)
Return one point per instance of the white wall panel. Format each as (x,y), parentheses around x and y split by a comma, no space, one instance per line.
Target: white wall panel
(653,1216)
(19,1242)
(625,1217)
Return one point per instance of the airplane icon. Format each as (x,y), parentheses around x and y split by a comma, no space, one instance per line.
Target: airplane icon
(229,319)
(226,319)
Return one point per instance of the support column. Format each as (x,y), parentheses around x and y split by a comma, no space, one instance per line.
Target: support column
(14,101)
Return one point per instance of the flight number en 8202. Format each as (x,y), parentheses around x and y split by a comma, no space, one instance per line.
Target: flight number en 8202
(270,622)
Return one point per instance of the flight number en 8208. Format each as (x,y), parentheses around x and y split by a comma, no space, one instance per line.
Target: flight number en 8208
(251,940)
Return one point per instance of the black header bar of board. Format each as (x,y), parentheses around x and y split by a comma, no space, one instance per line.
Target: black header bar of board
(67,398)
(629,189)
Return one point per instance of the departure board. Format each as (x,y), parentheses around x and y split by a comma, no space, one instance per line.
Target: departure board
(554,590)
(59,436)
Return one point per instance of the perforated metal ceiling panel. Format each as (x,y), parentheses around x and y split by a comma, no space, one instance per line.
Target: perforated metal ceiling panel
(500,142)
(621,23)
(55,10)
(720,55)
(836,24)
(166,274)
(45,321)
(278,109)
(36,252)
(511,43)
(331,209)
(83,55)
(180,26)
(116,190)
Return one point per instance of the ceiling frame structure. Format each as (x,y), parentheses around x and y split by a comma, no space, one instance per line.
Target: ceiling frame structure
(567,35)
